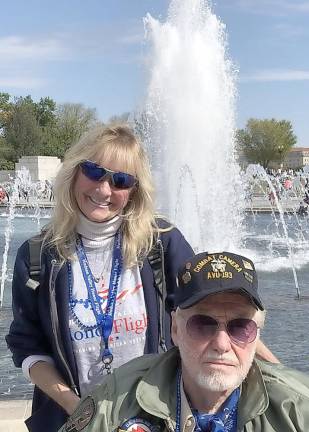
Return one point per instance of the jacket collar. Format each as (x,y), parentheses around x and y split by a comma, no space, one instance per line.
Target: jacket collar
(254,398)
(153,394)
(156,392)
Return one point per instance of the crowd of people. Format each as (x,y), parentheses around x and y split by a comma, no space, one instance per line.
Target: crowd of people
(290,185)
(27,192)
(108,281)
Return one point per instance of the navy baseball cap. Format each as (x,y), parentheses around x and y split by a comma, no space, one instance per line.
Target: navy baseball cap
(212,273)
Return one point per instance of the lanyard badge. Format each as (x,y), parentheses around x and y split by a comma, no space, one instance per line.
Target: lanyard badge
(104,319)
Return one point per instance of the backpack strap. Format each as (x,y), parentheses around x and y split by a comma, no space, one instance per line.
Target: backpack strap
(156,260)
(35,253)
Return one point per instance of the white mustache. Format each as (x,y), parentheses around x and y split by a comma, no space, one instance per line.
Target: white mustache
(220,358)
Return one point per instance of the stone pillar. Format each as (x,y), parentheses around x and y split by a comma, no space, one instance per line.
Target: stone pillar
(41,168)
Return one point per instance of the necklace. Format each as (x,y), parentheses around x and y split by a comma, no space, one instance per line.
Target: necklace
(95,260)
(105,318)
(103,271)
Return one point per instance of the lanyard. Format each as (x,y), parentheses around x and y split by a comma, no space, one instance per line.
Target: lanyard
(104,319)
(223,421)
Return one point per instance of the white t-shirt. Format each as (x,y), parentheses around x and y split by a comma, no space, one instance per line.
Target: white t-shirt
(127,339)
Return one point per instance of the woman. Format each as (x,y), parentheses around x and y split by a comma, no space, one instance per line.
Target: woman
(97,305)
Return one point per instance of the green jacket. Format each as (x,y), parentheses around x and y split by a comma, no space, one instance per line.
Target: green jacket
(273,398)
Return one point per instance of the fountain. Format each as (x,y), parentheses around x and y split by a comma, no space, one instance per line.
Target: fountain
(25,197)
(190,118)
(189,124)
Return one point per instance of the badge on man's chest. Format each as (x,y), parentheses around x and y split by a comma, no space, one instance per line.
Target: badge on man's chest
(137,424)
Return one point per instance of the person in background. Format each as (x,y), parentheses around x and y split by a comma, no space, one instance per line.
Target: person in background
(211,382)
(97,304)
(3,194)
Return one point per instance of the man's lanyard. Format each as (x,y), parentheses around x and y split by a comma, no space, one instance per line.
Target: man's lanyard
(104,319)
(223,421)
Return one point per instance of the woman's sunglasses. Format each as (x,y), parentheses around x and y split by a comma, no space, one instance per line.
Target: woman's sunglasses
(96,172)
(203,327)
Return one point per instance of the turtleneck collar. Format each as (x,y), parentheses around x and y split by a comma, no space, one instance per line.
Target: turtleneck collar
(96,233)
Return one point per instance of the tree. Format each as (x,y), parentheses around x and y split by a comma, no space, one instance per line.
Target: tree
(122,118)
(5,111)
(6,164)
(47,120)
(263,141)
(45,112)
(72,121)
(23,124)
(30,128)
(22,132)
(6,153)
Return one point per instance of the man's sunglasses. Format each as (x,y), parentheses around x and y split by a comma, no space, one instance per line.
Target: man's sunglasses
(204,327)
(96,172)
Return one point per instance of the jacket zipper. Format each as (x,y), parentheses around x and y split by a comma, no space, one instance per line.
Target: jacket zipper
(54,320)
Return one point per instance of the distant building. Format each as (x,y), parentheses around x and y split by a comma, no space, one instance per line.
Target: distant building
(298,157)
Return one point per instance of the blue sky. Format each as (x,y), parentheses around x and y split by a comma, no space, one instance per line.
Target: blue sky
(92,52)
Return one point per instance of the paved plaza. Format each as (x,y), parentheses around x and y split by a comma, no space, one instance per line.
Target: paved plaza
(12,415)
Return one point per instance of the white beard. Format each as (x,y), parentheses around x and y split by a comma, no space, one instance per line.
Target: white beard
(217,381)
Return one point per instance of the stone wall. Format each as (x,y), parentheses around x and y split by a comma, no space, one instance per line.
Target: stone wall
(40,167)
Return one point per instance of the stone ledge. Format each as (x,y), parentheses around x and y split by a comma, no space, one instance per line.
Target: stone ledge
(13,426)
(12,415)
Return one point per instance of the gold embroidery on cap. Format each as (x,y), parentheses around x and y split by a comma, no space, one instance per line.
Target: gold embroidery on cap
(247,265)
(203,262)
(219,275)
(186,277)
(218,265)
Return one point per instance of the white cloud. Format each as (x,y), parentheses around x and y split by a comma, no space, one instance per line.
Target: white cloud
(276,75)
(301,6)
(269,7)
(26,83)
(14,48)
(131,39)
(288,31)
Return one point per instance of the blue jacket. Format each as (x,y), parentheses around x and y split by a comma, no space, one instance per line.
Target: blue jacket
(41,319)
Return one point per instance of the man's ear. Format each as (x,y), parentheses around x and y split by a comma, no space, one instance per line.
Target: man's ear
(174,329)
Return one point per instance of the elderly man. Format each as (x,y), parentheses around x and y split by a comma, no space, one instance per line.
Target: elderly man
(211,381)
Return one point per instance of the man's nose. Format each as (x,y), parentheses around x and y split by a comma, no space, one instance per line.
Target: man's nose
(221,341)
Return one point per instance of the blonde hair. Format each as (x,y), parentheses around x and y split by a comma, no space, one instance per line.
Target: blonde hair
(139,227)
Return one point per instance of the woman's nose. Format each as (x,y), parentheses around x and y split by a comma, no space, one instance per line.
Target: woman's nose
(104,186)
